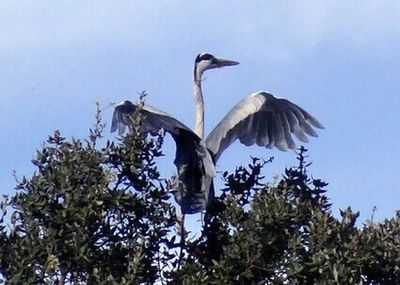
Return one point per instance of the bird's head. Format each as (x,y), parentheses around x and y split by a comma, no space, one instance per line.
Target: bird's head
(125,102)
(205,61)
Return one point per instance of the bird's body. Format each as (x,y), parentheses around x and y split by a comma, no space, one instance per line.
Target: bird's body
(260,118)
(192,186)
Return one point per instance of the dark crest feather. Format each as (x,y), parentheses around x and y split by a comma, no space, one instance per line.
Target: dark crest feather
(203,56)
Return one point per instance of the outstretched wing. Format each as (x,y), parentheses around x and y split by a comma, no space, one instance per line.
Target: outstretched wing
(193,183)
(154,119)
(265,120)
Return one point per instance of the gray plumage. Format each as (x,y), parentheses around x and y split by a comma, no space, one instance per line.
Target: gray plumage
(154,119)
(265,120)
(259,118)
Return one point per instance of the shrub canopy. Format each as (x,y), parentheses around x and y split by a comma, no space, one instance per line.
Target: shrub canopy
(95,214)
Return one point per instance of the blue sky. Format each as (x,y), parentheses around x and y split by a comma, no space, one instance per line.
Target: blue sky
(338,60)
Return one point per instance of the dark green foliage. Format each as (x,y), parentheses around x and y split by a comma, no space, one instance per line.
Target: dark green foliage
(92,215)
(289,236)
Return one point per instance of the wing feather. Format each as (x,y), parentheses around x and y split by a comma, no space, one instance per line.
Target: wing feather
(263,133)
(280,134)
(271,131)
(285,123)
(265,120)
(301,118)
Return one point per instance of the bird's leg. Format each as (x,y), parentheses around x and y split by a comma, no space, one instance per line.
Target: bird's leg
(182,241)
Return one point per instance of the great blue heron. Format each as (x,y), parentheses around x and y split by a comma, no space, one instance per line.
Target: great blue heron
(260,118)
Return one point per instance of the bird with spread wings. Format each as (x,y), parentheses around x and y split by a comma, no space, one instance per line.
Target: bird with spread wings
(260,118)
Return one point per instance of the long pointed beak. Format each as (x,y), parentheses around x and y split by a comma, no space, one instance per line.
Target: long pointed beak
(225,62)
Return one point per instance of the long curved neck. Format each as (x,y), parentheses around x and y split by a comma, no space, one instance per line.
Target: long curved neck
(198,97)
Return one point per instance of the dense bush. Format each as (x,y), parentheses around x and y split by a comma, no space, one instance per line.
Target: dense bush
(103,215)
